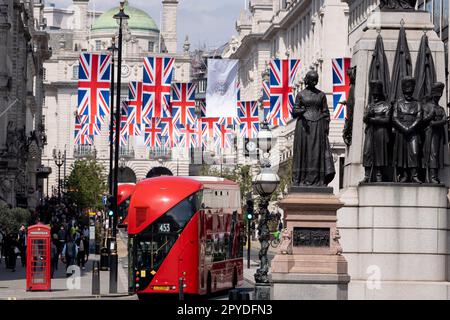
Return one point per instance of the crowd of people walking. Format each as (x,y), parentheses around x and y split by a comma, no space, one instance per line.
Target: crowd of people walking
(70,237)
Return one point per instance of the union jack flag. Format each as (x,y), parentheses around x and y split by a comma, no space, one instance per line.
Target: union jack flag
(132,128)
(169,132)
(223,136)
(153,133)
(183,103)
(188,137)
(248,116)
(81,135)
(93,86)
(266,103)
(123,124)
(341,86)
(156,87)
(282,78)
(135,100)
(201,131)
(208,124)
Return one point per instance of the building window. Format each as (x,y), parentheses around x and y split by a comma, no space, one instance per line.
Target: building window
(151,46)
(98,45)
(75,70)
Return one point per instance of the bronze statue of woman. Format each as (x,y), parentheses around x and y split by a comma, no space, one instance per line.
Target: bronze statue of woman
(313,163)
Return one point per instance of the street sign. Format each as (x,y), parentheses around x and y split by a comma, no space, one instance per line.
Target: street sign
(105,199)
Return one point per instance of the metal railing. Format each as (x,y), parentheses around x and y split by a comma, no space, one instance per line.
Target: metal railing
(126,152)
(160,153)
(82,151)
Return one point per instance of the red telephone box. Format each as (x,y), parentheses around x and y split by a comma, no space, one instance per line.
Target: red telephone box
(38,258)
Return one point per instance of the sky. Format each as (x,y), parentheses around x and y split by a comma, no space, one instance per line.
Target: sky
(209,23)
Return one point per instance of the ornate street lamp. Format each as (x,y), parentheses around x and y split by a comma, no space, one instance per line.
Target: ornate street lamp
(60,159)
(264,184)
(120,18)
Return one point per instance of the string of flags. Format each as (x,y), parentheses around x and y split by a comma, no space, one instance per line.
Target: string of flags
(164,112)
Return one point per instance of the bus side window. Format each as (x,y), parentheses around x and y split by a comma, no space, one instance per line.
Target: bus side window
(208,199)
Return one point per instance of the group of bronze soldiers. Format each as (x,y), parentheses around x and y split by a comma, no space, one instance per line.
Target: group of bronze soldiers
(405,140)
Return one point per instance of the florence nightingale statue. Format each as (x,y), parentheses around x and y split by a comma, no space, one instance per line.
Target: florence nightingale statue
(313,163)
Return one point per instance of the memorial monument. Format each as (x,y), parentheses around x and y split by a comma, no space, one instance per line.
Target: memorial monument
(309,264)
(394,222)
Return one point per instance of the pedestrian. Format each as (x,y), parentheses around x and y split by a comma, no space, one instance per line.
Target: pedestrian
(62,235)
(22,244)
(69,253)
(54,256)
(81,256)
(11,251)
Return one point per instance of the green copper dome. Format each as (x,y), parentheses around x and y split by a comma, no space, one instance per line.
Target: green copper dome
(139,20)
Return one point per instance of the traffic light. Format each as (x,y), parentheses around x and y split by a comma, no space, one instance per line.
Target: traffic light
(110,205)
(250,210)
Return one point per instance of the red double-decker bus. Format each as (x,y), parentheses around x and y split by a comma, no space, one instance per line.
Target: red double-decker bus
(190,228)
(125,191)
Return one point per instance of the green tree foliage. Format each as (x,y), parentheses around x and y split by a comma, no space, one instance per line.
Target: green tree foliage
(12,219)
(87,184)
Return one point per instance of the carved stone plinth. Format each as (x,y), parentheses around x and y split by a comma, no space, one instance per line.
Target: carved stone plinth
(313,267)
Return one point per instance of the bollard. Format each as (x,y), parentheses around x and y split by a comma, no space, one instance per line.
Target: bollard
(244,296)
(233,295)
(113,265)
(104,259)
(95,278)
(180,289)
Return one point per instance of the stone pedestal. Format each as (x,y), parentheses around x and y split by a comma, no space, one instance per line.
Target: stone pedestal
(262,291)
(313,267)
(396,242)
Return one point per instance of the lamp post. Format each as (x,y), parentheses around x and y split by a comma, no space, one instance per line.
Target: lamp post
(59,161)
(265,184)
(112,49)
(120,18)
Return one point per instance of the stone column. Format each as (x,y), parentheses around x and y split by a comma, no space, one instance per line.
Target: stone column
(5,26)
(169,25)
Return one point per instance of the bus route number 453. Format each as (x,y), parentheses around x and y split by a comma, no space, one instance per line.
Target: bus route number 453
(164,227)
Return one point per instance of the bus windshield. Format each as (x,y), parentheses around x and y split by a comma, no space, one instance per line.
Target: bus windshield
(123,209)
(154,244)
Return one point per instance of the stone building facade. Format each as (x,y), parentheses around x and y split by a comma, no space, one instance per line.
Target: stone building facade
(23,50)
(73,34)
(314,31)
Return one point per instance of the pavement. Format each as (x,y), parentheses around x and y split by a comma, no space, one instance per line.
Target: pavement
(13,284)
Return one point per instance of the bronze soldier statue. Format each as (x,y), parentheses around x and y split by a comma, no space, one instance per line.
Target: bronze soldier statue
(313,163)
(435,121)
(350,105)
(406,118)
(398,4)
(377,118)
